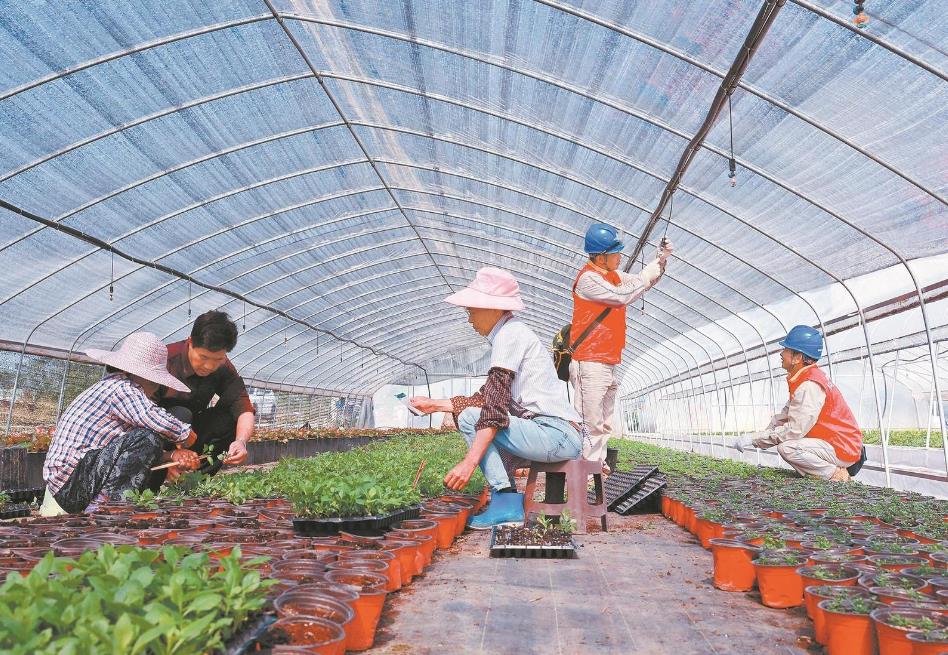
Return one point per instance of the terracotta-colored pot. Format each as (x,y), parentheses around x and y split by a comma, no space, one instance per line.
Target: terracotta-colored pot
(315,604)
(322,637)
(848,634)
(814,594)
(922,646)
(300,570)
(780,586)
(368,609)
(408,553)
(892,638)
(394,563)
(391,570)
(733,564)
(446,531)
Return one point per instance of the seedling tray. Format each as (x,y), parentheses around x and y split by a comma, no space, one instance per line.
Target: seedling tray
(536,552)
(26,495)
(245,641)
(622,484)
(14,512)
(649,489)
(361,525)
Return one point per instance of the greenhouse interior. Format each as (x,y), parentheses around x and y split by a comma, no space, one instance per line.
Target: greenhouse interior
(474,326)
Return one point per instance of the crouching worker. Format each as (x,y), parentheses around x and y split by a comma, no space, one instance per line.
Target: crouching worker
(111,434)
(816,432)
(522,407)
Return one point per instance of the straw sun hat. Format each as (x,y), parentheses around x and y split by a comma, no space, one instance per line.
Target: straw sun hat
(141,354)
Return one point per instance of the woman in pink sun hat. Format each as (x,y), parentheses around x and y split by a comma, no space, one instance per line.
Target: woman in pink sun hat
(110,435)
(522,410)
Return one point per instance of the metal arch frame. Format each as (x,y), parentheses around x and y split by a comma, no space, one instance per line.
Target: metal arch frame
(229,230)
(249,348)
(871,37)
(130,303)
(352,132)
(749,88)
(176,169)
(204,203)
(197,102)
(147,45)
(541,78)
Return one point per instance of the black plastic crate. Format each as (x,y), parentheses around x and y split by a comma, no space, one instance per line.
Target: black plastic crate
(646,491)
(14,512)
(360,525)
(622,484)
(536,552)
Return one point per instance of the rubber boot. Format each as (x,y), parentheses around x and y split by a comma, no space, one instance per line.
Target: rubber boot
(503,509)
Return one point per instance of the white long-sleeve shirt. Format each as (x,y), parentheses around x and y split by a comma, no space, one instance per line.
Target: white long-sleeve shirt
(594,287)
(796,419)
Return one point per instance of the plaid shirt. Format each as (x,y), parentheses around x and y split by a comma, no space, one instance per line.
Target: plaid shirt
(106,410)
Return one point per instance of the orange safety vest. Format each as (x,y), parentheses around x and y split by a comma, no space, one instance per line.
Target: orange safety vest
(605,343)
(836,423)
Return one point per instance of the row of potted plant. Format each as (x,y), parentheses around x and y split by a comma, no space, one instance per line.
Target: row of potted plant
(870,564)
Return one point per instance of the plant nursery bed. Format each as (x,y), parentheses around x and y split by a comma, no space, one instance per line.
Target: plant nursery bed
(361,525)
(517,541)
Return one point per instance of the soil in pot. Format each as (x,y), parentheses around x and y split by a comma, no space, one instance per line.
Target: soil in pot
(777,578)
(889,595)
(893,626)
(733,564)
(892,579)
(389,569)
(849,629)
(310,603)
(321,636)
(368,608)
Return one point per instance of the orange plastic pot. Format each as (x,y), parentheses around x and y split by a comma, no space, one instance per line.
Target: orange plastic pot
(322,637)
(427,544)
(848,634)
(445,533)
(893,639)
(691,520)
(368,608)
(390,569)
(920,646)
(407,552)
(706,530)
(418,529)
(315,604)
(666,506)
(733,564)
(780,586)
(813,595)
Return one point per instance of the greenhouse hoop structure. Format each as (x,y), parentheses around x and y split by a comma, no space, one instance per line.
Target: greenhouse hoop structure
(327,172)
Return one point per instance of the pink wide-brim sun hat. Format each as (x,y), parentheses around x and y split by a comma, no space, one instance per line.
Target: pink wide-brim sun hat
(141,354)
(492,288)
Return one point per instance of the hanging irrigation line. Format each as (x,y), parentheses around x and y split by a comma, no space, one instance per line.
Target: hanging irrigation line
(105,246)
(765,18)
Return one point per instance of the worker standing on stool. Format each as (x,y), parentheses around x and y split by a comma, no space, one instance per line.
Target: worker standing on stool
(600,294)
(816,432)
(520,409)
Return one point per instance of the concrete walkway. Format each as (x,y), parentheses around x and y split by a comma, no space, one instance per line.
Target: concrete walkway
(644,588)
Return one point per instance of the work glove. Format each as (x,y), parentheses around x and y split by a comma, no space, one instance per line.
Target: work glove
(744,442)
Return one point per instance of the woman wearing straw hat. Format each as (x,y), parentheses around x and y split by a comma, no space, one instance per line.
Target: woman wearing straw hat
(110,435)
(522,408)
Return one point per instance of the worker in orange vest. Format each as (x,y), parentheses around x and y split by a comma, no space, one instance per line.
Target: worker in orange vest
(600,286)
(816,432)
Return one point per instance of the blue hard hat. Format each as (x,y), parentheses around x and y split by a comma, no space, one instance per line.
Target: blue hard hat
(804,339)
(602,239)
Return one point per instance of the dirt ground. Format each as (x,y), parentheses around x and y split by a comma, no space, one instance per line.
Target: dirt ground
(644,587)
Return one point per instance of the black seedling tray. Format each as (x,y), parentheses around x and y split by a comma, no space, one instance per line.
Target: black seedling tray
(360,525)
(652,486)
(244,641)
(14,512)
(536,552)
(26,495)
(622,484)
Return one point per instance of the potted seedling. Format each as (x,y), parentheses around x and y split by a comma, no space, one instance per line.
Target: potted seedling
(848,626)
(777,578)
(893,626)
